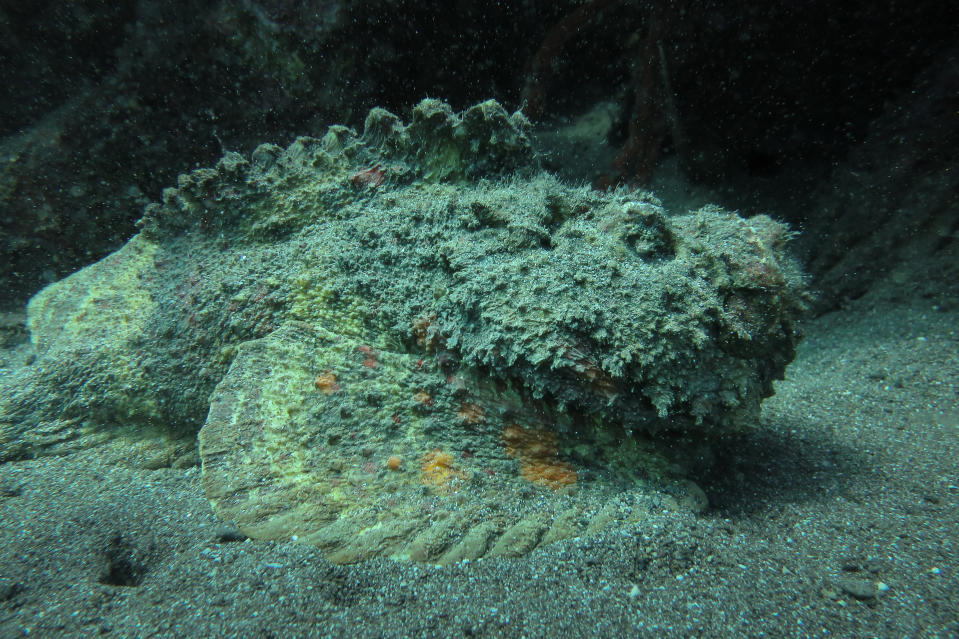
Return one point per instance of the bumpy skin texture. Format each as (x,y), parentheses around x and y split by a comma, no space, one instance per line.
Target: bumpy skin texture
(603,302)
(423,291)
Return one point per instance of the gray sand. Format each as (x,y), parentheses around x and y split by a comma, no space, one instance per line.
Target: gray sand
(838,519)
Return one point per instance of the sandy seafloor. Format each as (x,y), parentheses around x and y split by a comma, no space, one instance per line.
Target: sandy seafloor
(838,518)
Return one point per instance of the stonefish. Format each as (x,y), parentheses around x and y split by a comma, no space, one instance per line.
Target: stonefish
(415,342)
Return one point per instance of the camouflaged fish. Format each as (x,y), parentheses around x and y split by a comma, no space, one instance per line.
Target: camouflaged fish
(415,342)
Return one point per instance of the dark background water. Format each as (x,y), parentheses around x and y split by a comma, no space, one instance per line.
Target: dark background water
(838,117)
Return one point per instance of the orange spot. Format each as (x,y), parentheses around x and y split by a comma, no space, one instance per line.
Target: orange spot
(538,456)
(439,471)
(394,462)
(369,178)
(370,361)
(424,398)
(471,413)
(327,383)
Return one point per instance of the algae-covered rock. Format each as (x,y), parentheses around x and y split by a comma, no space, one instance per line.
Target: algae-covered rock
(414,342)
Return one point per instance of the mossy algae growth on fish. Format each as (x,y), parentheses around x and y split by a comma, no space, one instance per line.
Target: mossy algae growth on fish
(416,343)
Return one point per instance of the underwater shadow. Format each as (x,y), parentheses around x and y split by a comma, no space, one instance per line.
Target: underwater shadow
(786,461)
